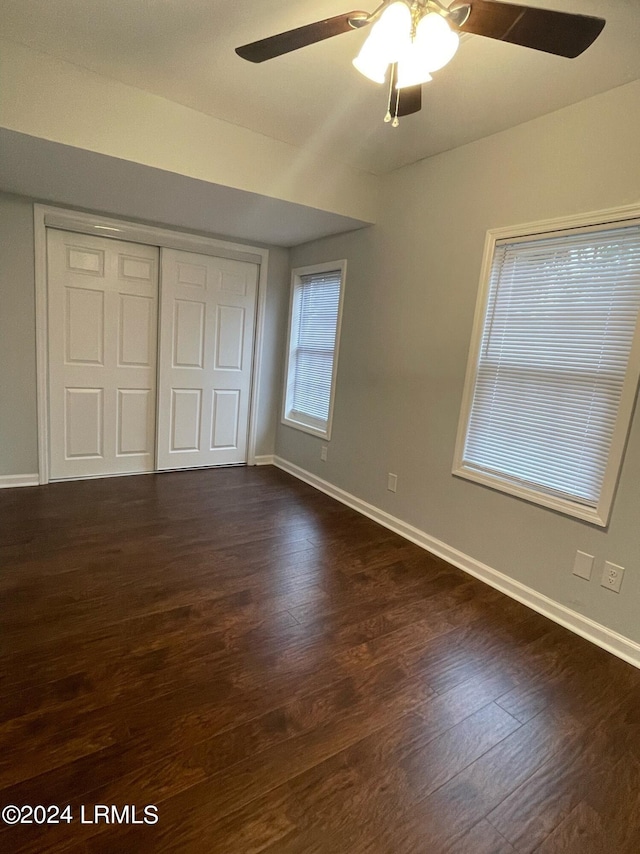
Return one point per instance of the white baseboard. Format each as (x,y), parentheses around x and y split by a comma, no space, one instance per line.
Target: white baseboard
(11,480)
(598,634)
(264,460)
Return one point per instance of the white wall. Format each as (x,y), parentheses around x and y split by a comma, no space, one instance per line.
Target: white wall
(54,100)
(409,302)
(18,421)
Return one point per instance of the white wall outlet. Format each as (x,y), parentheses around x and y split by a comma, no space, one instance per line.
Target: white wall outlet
(583,565)
(612,576)
(323,453)
(392,482)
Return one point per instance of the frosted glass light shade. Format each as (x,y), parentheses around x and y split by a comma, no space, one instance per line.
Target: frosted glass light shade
(395,29)
(413,68)
(436,41)
(371,62)
(389,39)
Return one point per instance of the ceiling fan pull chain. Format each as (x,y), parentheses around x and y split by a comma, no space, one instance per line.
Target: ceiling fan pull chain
(396,120)
(393,90)
(387,118)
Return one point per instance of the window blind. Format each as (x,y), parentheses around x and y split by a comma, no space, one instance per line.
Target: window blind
(559,326)
(313,339)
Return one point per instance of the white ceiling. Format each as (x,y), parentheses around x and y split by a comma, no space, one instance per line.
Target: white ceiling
(183,50)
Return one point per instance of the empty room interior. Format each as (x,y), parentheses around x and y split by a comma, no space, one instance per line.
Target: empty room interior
(319,445)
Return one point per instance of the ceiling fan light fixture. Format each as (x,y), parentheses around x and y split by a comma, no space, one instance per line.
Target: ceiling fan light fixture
(389,39)
(435,41)
(416,38)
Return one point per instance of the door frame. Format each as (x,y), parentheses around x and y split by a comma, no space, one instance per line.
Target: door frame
(47,216)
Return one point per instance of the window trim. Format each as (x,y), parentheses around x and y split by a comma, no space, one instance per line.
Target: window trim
(600,514)
(296,281)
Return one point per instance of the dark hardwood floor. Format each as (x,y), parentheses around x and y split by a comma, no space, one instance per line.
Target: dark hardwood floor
(276,673)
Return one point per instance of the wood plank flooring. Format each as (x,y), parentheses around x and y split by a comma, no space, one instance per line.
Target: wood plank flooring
(276,673)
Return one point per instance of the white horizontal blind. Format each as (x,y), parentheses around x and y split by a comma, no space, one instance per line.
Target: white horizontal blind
(314,323)
(558,331)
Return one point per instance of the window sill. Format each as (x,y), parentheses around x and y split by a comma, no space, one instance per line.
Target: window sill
(321,432)
(594,515)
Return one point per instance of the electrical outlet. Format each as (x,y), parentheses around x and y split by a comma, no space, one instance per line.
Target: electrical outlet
(323,453)
(583,565)
(392,482)
(612,576)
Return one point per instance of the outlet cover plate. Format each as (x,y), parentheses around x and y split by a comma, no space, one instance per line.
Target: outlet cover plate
(612,576)
(392,482)
(583,565)
(323,453)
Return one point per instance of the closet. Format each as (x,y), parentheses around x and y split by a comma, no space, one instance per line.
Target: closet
(150,354)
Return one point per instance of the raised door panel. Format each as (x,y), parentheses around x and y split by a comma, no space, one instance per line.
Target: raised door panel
(186,412)
(136,268)
(135,422)
(83,423)
(87,261)
(234,281)
(84,326)
(137,331)
(230,333)
(193,275)
(188,333)
(225,419)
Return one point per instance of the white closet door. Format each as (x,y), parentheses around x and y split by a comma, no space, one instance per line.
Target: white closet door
(207,320)
(102,304)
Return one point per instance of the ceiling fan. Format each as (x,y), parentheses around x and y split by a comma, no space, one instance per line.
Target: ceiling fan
(417,37)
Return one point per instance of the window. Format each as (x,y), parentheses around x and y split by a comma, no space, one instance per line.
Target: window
(554,366)
(314,331)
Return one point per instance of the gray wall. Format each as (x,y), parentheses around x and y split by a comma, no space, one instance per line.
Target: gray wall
(272,357)
(18,428)
(18,422)
(410,296)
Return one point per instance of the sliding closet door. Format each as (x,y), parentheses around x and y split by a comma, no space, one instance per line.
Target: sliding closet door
(207,320)
(102,319)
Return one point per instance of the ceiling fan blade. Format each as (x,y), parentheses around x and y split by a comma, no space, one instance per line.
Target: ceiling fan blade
(282,43)
(561,33)
(410,100)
